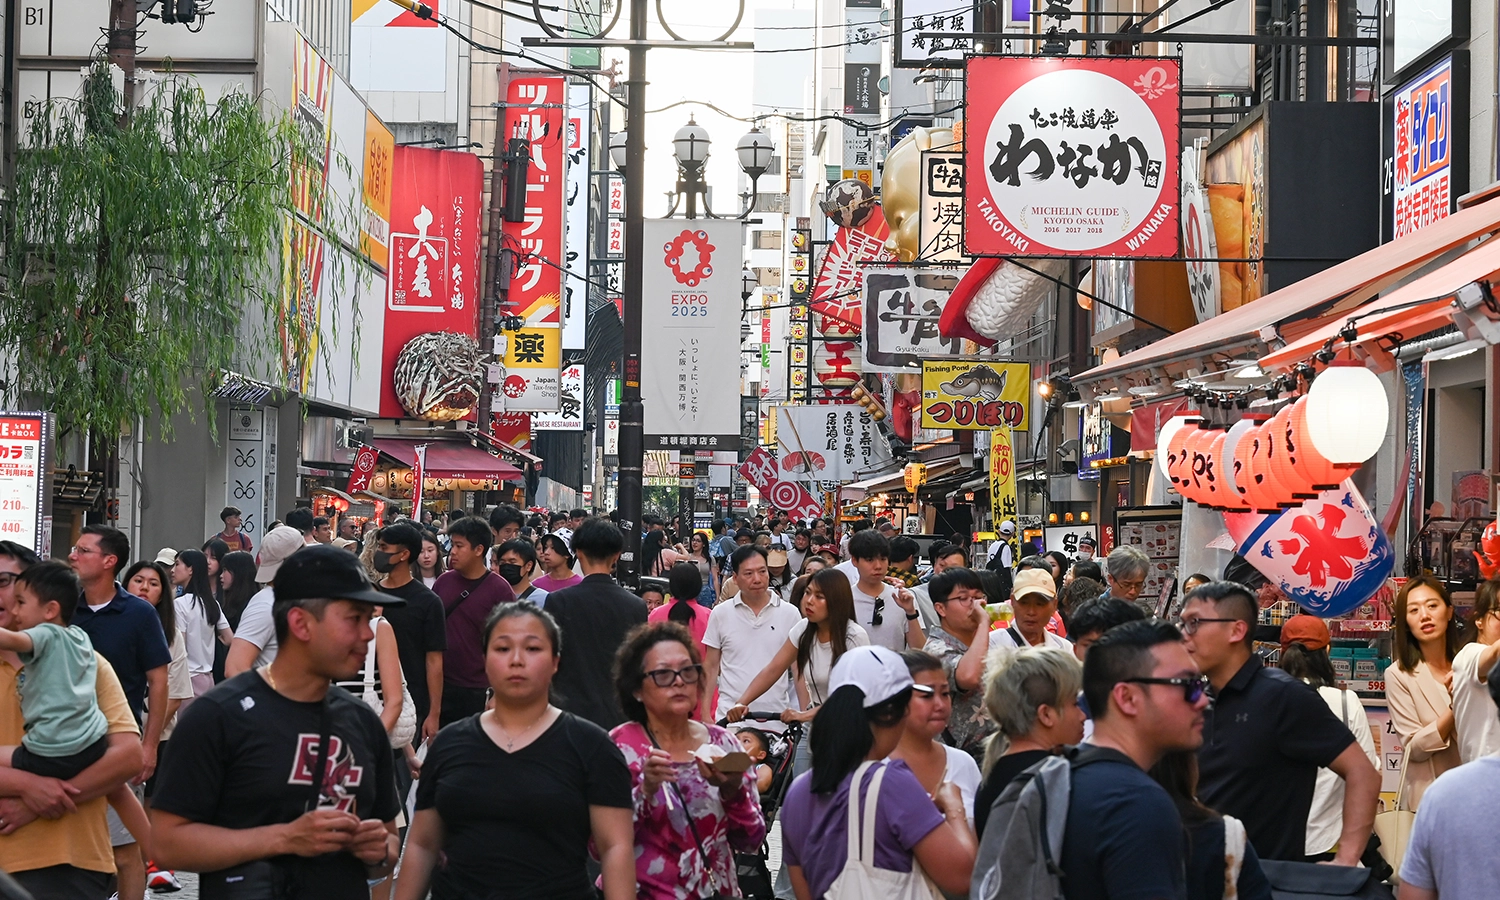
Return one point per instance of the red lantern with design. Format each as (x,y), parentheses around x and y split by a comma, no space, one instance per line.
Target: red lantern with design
(1196,474)
(1321,472)
(1176,466)
(1250,452)
(1235,499)
(1216,490)
(1285,450)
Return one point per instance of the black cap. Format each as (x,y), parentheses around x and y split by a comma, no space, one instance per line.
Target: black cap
(325,571)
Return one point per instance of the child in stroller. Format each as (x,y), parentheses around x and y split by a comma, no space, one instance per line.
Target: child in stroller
(773,755)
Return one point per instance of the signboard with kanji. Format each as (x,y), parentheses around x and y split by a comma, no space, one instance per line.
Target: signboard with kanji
(972,396)
(940,230)
(830,443)
(917,47)
(1072,156)
(569,415)
(1002,477)
(26,479)
(760,471)
(902,306)
(1426,125)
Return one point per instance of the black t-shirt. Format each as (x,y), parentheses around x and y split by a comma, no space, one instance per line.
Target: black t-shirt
(1124,839)
(1264,739)
(594,616)
(419,631)
(517,824)
(1005,771)
(242,756)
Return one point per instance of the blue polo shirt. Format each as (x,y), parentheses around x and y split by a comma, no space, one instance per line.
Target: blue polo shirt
(128,633)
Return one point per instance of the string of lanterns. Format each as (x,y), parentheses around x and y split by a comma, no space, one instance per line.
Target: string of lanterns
(1266,463)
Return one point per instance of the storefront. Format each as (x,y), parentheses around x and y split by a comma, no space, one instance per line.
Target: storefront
(456,475)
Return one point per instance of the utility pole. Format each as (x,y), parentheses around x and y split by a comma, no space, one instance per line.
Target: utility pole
(496,263)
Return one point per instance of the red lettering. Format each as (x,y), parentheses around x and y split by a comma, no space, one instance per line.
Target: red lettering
(940,412)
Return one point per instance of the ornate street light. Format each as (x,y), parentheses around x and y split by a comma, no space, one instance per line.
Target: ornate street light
(619,150)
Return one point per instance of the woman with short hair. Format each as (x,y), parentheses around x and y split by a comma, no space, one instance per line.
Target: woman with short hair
(690,816)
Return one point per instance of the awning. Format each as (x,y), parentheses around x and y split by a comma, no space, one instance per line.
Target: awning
(1411,310)
(1284,314)
(896,481)
(516,454)
(449,459)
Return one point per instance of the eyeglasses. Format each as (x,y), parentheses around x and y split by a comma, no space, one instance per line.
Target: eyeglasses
(666,677)
(1130,585)
(1193,687)
(84,551)
(8,578)
(1191,626)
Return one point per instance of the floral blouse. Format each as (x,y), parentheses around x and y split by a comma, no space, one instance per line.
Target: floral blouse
(668,865)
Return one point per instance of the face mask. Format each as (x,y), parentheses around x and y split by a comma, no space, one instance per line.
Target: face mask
(382,561)
(511,573)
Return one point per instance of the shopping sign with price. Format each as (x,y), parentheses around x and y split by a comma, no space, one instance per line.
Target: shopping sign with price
(759,469)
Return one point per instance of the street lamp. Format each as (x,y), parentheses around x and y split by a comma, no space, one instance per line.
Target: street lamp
(690,149)
(748,283)
(619,150)
(755,150)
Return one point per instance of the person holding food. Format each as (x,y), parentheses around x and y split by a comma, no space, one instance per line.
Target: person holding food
(694,805)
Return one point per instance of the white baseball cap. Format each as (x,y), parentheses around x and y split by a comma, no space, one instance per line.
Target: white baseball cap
(878,672)
(166,556)
(278,544)
(1007,527)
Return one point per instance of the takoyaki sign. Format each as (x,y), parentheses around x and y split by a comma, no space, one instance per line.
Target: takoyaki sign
(1072,156)
(969,396)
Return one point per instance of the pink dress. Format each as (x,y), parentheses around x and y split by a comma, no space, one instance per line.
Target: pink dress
(668,865)
(697,626)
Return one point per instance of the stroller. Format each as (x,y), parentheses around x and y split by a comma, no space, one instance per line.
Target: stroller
(756,881)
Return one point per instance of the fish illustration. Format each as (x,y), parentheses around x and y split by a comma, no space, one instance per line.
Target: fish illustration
(980,381)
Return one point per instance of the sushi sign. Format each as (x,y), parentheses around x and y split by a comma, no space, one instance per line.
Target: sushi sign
(829,443)
(973,396)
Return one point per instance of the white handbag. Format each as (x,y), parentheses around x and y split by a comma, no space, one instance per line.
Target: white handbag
(860,879)
(406,722)
(1393,827)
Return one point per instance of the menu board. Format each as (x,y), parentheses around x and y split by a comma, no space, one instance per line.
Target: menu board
(26,479)
(1156,532)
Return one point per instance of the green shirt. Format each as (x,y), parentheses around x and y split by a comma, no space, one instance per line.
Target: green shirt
(58,692)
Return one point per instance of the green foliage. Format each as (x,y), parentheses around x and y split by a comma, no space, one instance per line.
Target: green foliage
(146,256)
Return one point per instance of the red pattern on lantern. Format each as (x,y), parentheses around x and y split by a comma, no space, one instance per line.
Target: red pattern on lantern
(1285,452)
(1236,499)
(1177,456)
(1322,473)
(1250,452)
(1195,480)
(1218,483)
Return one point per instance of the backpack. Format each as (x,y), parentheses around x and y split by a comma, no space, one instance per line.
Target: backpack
(1023,837)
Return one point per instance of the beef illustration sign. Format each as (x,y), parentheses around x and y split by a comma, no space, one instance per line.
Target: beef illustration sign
(1072,156)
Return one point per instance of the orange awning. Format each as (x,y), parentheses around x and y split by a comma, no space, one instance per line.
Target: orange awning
(1402,312)
(1325,297)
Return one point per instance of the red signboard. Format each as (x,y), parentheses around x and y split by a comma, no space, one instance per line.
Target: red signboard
(364,469)
(1072,156)
(759,470)
(514,429)
(433,279)
(1423,157)
(835,294)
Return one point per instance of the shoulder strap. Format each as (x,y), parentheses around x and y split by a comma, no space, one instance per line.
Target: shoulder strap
(854,843)
(687,813)
(320,770)
(1021,643)
(448,610)
(872,803)
(369,670)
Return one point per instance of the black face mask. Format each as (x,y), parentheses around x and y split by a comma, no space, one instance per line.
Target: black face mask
(382,562)
(511,572)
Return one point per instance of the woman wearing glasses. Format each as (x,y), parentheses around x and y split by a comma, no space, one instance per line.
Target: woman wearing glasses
(690,817)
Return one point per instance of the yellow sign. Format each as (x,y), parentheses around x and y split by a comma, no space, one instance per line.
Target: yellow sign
(973,396)
(916,476)
(375,229)
(534,347)
(1002,477)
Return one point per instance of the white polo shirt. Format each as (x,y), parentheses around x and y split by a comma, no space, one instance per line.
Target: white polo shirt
(1002,640)
(747,643)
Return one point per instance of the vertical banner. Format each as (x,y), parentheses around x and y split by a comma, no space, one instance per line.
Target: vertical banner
(375,225)
(691,294)
(1427,182)
(533,355)
(302,243)
(940,231)
(418,475)
(246,463)
(26,479)
(1002,477)
(432,283)
(364,469)
(575,283)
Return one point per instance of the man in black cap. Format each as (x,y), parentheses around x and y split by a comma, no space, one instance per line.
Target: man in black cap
(275,779)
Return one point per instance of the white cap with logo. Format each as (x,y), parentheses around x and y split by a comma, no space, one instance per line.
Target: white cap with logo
(878,672)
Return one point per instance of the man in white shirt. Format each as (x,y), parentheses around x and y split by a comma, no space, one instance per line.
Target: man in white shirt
(1033,599)
(801,547)
(887,612)
(744,634)
(254,643)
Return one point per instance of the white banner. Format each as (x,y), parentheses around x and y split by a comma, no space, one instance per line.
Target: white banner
(902,305)
(569,415)
(1199,246)
(691,296)
(829,443)
(1064,538)
(576,218)
(611,435)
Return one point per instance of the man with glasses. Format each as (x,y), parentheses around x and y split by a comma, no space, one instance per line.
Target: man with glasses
(1268,734)
(1123,836)
(1125,574)
(127,632)
(594,616)
(962,643)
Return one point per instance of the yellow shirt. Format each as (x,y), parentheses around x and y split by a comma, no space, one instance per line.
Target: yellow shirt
(80,839)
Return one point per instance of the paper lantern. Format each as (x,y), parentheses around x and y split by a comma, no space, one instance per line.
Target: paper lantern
(1198,472)
(1254,476)
(1207,469)
(1188,471)
(1164,437)
(1347,414)
(1328,555)
(1283,457)
(1177,457)
(1235,498)
(1322,473)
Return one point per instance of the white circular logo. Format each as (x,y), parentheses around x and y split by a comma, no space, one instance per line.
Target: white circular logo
(1074,160)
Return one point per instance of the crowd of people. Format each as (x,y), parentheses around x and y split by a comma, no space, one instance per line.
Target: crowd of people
(476,708)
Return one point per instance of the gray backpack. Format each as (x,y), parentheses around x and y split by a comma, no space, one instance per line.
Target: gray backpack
(1023,837)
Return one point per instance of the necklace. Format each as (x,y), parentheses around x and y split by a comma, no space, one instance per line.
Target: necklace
(511,740)
(265,672)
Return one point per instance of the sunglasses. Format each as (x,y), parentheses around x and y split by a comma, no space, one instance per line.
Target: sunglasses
(1193,687)
(666,677)
(879,616)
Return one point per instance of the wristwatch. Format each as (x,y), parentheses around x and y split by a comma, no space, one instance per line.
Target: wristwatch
(912,615)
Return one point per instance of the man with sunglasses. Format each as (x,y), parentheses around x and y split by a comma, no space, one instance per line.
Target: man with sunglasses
(1123,836)
(1268,734)
(594,616)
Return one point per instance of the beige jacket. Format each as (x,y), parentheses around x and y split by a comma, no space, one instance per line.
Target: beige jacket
(1417,700)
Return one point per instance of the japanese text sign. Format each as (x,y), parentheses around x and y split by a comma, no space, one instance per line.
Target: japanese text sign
(375,225)
(569,415)
(1002,477)
(760,471)
(690,294)
(533,355)
(364,469)
(575,282)
(1424,149)
(1072,156)
(830,443)
(914,18)
(1064,538)
(26,479)
(432,281)
(902,308)
(973,396)
(940,231)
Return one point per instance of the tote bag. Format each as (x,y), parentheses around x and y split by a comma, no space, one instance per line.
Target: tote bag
(860,879)
(1394,826)
(406,721)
